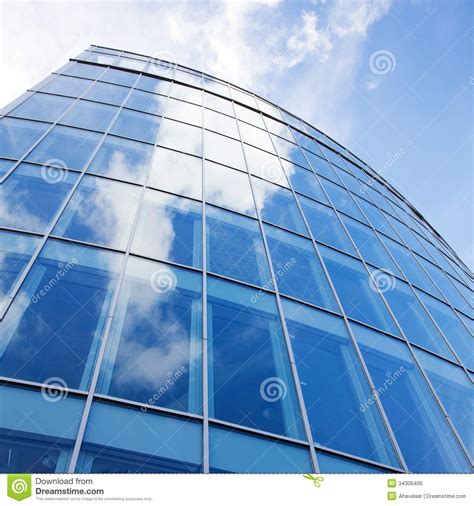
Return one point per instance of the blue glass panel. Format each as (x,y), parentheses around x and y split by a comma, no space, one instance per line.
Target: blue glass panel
(453,387)
(304,181)
(146,102)
(169,228)
(376,218)
(176,173)
(235,247)
(224,150)
(37,429)
(277,205)
(290,152)
(341,465)
(246,114)
(413,319)
(325,225)
(220,123)
(119,77)
(100,211)
(229,188)
(153,353)
(57,319)
(342,200)
(42,107)
(64,85)
(107,93)
(124,440)
(340,406)
(182,137)
(6,166)
(122,159)
(265,165)
(322,167)
(182,111)
(369,245)
(357,291)
(83,70)
(410,406)
(16,251)
(297,268)
(250,380)
(256,136)
(90,115)
(66,147)
(186,93)
(137,125)
(235,452)
(31,196)
(153,85)
(455,332)
(16,136)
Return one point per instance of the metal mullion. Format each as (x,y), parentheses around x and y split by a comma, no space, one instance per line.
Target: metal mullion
(111,313)
(299,393)
(22,158)
(386,422)
(56,217)
(205,358)
(407,342)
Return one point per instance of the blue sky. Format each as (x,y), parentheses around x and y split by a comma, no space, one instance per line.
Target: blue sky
(411,119)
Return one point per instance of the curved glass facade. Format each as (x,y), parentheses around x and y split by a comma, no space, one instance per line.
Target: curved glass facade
(194,280)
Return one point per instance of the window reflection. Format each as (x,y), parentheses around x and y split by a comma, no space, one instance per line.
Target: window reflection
(154,350)
(42,107)
(224,150)
(146,102)
(90,115)
(220,123)
(16,136)
(137,125)
(265,165)
(107,93)
(181,137)
(64,85)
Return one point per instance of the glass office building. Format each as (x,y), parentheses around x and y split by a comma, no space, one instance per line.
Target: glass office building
(195,280)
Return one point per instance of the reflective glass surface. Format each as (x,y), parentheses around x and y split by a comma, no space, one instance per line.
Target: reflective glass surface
(17,136)
(224,150)
(91,115)
(136,125)
(42,107)
(185,138)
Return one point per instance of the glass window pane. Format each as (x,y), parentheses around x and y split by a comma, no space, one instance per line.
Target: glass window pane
(37,435)
(124,440)
(154,85)
(265,165)
(146,102)
(186,93)
(216,86)
(236,452)
(235,247)
(342,200)
(41,107)
(182,111)
(413,319)
(297,268)
(341,410)
(321,167)
(6,166)
(181,137)
(290,152)
(153,352)
(246,114)
(218,104)
(250,381)
(54,326)
(370,246)
(277,205)
(64,85)
(137,125)
(277,128)
(341,465)
(325,225)
(122,159)
(83,70)
(256,137)
(304,181)
(169,228)
(376,218)
(220,123)
(108,93)
(66,148)
(357,291)
(90,115)
(224,150)
(16,251)
(176,173)
(453,387)
(119,77)
(100,211)
(31,196)
(17,136)
(410,406)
